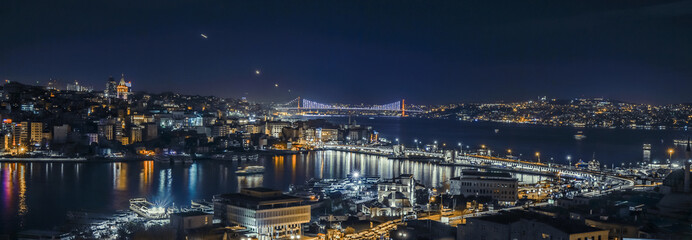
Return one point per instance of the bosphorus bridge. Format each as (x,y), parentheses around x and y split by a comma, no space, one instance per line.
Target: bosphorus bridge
(301,104)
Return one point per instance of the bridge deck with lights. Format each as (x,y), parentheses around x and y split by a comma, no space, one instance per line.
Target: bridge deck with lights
(308,105)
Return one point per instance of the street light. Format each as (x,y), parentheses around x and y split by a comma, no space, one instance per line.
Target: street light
(432,199)
(569,159)
(670,153)
(538,156)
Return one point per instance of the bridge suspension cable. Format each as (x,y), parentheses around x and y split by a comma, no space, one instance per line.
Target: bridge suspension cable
(306,104)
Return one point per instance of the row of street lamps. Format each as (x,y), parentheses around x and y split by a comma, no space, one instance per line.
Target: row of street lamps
(509,151)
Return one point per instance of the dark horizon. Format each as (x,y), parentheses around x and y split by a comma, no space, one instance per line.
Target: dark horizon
(352,52)
(408,101)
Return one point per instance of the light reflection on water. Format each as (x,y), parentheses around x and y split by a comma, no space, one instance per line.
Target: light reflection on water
(38,195)
(430,174)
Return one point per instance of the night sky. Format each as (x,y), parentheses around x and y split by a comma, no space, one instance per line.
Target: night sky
(359,51)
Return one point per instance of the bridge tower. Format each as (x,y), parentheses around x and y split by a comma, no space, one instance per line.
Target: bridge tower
(403,108)
(298,103)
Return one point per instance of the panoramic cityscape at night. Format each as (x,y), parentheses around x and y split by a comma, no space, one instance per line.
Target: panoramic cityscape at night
(331,120)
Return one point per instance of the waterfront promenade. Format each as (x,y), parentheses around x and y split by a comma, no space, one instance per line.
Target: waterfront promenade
(616,182)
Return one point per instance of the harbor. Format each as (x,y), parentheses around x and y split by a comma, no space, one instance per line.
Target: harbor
(182,182)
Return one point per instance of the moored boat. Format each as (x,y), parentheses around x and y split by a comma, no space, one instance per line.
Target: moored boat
(172,159)
(579,136)
(147,209)
(250,170)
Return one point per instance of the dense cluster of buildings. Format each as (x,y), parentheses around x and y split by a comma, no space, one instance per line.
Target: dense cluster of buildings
(581,112)
(40,121)
(77,122)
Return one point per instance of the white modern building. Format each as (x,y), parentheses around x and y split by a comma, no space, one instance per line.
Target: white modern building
(500,186)
(268,213)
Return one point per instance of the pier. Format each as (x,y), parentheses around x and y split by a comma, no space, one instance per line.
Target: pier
(483,161)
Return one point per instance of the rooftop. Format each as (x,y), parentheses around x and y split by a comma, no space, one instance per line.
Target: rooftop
(259,198)
(564,225)
(190,214)
(484,175)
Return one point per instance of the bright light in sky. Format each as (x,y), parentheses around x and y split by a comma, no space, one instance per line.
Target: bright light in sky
(204,36)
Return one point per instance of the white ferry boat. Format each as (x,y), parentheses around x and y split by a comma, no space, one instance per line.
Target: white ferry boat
(682,142)
(579,136)
(147,209)
(250,170)
(202,205)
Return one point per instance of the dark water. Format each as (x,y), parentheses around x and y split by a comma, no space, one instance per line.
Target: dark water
(610,146)
(38,195)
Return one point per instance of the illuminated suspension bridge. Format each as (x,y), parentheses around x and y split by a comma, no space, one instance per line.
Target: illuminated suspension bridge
(309,105)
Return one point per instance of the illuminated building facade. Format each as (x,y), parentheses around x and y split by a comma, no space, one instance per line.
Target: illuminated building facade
(327,135)
(267,213)
(24,133)
(274,128)
(77,88)
(404,184)
(646,153)
(136,134)
(36,132)
(123,88)
(500,186)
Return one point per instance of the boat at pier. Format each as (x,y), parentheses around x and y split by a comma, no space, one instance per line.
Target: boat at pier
(147,209)
(202,205)
(250,170)
(173,159)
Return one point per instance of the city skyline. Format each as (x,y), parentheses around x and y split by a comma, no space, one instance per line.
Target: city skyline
(75,85)
(359,52)
(346,120)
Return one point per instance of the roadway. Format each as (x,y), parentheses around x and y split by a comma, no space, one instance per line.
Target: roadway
(619,183)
